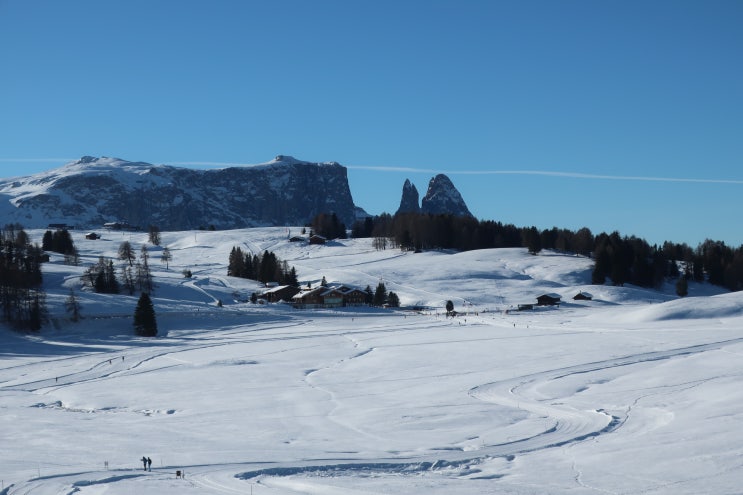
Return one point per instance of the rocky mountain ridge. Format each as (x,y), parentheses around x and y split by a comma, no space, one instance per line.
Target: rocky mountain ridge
(92,191)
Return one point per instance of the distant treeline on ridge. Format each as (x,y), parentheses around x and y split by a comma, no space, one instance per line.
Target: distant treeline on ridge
(618,259)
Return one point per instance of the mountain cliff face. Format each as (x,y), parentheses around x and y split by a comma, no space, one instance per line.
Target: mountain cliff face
(441,198)
(92,191)
(409,203)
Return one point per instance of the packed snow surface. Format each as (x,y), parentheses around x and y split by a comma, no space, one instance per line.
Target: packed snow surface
(636,391)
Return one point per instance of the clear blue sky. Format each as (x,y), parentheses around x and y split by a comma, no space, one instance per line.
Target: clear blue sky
(545,113)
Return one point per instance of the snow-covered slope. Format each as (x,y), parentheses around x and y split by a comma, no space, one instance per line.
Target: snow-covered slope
(636,391)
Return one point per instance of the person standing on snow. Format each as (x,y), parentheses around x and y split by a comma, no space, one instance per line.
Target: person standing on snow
(144,461)
(149,463)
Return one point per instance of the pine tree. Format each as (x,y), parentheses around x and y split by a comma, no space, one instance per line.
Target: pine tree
(47,242)
(369,299)
(682,286)
(291,278)
(145,323)
(380,295)
(392,300)
(236,263)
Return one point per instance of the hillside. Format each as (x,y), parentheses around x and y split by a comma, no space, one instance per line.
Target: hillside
(634,391)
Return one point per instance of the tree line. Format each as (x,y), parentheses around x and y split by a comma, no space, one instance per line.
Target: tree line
(618,259)
(22,297)
(266,267)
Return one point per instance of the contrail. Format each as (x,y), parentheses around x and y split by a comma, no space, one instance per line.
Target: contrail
(412,170)
(36,160)
(568,175)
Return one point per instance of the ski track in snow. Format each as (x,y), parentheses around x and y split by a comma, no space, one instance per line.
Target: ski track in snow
(559,425)
(567,425)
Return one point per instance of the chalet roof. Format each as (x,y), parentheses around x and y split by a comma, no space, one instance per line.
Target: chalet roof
(326,290)
(551,295)
(275,288)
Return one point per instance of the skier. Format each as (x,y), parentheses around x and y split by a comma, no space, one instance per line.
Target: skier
(149,463)
(144,461)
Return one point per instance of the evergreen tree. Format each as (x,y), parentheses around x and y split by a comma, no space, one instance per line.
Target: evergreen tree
(380,295)
(392,300)
(682,286)
(291,278)
(145,323)
(102,277)
(236,263)
(369,299)
(449,308)
(22,298)
(47,242)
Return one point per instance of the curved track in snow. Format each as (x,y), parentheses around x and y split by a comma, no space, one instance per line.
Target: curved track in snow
(562,423)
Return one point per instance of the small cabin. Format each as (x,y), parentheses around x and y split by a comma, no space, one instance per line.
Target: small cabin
(550,299)
(92,236)
(582,296)
(318,239)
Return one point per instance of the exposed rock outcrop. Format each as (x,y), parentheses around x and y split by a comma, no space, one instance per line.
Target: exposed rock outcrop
(92,191)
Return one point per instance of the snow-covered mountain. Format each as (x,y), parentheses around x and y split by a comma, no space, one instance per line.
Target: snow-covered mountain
(92,191)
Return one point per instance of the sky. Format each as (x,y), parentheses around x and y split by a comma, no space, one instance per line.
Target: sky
(609,115)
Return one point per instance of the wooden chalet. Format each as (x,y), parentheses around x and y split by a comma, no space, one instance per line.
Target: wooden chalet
(318,239)
(582,296)
(279,293)
(319,297)
(353,296)
(329,297)
(550,299)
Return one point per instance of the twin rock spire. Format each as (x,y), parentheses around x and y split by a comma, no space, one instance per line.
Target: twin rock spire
(441,198)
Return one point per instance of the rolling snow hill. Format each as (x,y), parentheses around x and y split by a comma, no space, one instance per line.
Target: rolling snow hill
(636,391)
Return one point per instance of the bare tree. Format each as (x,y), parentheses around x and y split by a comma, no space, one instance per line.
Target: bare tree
(165,257)
(126,252)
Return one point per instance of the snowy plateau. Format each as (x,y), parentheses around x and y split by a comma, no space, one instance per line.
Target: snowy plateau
(635,391)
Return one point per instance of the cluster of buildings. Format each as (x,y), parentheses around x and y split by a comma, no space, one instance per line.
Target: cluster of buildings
(330,296)
(552,299)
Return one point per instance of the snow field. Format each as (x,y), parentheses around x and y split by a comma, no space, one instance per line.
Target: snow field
(633,392)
